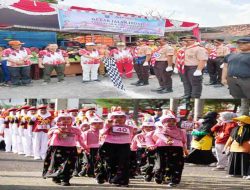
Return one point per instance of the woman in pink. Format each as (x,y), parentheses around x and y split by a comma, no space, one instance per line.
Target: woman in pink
(169,143)
(145,157)
(115,150)
(91,140)
(61,156)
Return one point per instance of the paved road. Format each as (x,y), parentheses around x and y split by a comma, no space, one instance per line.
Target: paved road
(74,88)
(20,173)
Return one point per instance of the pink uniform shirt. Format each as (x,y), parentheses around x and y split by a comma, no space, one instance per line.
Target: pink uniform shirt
(70,139)
(117,134)
(160,137)
(91,138)
(139,141)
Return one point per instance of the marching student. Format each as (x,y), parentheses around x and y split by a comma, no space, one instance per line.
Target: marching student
(7,131)
(61,156)
(42,123)
(22,129)
(115,150)
(145,157)
(91,140)
(13,123)
(169,143)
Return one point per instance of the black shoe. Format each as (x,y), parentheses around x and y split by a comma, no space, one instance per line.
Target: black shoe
(218,85)
(148,178)
(157,89)
(158,181)
(142,84)
(165,91)
(210,83)
(100,179)
(172,185)
(56,180)
(82,173)
(65,183)
(136,83)
(185,97)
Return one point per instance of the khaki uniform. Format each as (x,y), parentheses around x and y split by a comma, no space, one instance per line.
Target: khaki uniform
(142,71)
(193,84)
(214,65)
(164,77)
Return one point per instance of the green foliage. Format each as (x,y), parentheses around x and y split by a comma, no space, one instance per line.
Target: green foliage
(49,1)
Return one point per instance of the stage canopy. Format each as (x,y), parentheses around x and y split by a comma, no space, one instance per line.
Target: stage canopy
(43,16)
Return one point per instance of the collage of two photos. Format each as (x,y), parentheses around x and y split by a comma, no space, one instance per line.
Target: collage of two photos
(124,94)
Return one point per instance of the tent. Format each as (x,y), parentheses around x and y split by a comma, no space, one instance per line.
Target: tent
(41,15)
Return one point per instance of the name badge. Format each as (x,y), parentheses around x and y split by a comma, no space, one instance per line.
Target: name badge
(122,130)
(157,55)
(42,127)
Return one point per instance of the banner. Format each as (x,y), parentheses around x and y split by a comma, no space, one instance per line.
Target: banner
(110,22)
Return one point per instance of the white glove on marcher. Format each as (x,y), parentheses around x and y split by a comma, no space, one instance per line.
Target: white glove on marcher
(176,70)
(197,73)
(145,63)
(169,68)
(222,65)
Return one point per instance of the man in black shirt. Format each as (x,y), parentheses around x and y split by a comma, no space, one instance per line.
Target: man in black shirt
(236,71)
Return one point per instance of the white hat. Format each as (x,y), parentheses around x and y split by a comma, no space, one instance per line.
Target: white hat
(95,120)
(164,118)
(149,121)
(117,111)
(90,44)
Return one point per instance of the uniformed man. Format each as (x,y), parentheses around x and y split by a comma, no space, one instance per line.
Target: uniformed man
(18,62)
(195,59)
(214,67)
(236,70)
(53,59)
(142,55)
(162,61)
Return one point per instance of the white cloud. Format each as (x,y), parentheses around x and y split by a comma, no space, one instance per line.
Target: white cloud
(205,12)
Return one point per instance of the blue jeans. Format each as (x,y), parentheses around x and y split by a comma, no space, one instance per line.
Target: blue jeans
(6,73)
(20,75)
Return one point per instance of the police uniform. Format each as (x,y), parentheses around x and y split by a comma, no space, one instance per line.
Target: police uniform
(192,78)
(238,72)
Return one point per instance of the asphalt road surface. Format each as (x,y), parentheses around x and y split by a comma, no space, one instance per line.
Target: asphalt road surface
(20,173)
(74,88)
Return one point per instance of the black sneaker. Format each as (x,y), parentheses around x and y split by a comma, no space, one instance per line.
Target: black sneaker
(136,83)
(157,89)
(171,185)
(65,183)
(165,91)
(56,180)
(148,178)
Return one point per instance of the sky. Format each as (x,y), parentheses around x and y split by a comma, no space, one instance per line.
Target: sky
(207,13)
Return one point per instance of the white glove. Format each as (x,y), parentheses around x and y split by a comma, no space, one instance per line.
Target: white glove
(169,68)
(197,73)
(222,65)
(176,70)
(145,63)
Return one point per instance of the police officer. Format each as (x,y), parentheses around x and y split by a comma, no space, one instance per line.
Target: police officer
(236,70)
(194,62)
(214,67)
